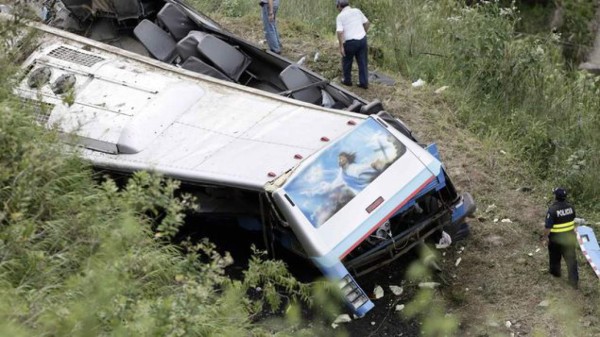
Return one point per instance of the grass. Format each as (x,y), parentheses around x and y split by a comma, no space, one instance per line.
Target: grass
(501,131)
(500,127)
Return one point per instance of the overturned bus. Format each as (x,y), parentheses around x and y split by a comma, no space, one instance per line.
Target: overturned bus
(319,170)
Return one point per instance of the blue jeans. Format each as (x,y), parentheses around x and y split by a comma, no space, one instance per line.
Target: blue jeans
(356,49)
(270,28)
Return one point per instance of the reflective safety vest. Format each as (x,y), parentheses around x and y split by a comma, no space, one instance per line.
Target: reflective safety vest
(563,227)
(560,217)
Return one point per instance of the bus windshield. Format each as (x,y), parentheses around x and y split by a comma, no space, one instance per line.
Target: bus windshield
(343,170)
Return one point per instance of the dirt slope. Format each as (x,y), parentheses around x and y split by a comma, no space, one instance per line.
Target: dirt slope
(502,275)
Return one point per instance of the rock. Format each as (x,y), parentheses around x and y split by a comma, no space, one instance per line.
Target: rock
(507,324)
(495,219)
(396,290)
(399,307)
(506,221)
(445,241)
(544,304)
(345,318)
(378,292)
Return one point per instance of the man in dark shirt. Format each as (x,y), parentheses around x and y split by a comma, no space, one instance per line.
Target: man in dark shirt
(559,235)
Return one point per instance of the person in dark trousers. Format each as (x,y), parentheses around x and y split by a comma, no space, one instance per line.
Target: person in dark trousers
(352,27)
(559,235)
(269,13)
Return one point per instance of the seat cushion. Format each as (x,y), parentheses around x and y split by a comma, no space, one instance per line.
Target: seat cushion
(293,77)
(223,55)
(197,65)
(175,21)
(158,42)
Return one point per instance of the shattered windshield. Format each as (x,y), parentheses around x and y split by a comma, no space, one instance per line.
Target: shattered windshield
(343,170)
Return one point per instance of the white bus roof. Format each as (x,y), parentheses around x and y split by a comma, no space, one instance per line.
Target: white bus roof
(131,113)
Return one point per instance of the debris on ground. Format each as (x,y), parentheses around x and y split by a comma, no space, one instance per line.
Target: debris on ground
(418,83)
(458,261)
(544,304)
(445,241)
(441,89)
(429,285)
(506,221)
(376,77)
(491,208)
(396,290)
(378,292)
(345,318)
(399,307)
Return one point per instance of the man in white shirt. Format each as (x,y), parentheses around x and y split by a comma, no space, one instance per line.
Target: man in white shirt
(352,27)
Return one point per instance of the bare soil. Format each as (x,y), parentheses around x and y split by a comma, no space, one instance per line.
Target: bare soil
(501,285)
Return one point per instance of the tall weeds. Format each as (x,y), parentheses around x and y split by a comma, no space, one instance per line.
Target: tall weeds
(80,256)
(514,88)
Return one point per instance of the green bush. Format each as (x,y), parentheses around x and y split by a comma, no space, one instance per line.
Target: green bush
(576,30)
(80,256)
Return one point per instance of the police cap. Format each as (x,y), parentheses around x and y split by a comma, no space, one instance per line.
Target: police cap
(560,193)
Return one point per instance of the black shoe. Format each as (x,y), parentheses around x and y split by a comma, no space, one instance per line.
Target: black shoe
(363,86)
(348,84)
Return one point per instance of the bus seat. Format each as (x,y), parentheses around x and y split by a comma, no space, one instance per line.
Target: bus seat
(372,107)
(293,77)
(224,56)
(158,42)
(175,21)
(355,106)
(197,65)
(126,9)
(188,46)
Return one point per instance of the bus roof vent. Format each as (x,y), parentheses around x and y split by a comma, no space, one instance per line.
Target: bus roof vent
(75,56)
(41,110)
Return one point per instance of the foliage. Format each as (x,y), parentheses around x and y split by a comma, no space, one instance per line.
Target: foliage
(231,8)
(577,30)
(425,304)
(83,255)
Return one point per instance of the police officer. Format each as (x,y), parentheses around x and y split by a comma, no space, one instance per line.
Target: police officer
(559,235)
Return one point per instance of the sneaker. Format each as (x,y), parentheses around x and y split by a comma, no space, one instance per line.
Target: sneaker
(363,86)
(348,84)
